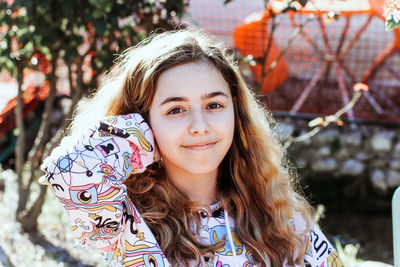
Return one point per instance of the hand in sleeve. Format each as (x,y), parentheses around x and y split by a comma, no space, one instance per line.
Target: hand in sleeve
(86,174)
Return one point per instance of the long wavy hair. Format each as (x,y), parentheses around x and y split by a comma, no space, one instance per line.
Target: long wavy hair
(255,185)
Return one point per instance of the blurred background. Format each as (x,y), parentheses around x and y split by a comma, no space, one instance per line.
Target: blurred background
(329,71)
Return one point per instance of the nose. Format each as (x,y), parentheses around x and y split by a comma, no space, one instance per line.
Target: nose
(198,123)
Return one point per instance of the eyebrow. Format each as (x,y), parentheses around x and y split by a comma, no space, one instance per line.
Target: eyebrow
(203,97)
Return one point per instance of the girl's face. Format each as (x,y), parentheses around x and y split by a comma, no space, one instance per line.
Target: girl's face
(192,118)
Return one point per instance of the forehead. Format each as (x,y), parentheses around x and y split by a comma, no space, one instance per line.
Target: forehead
(192,79)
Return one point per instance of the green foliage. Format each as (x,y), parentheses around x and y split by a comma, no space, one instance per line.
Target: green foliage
(74,29)
(392,23)
(17,42)
(85,34)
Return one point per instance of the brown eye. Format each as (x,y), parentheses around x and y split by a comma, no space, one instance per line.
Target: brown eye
(175,111)
(214,106)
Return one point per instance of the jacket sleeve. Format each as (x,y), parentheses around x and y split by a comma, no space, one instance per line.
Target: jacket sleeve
(319,251)
(86,174)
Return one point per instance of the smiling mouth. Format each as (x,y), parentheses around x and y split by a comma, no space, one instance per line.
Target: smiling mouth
(200,146)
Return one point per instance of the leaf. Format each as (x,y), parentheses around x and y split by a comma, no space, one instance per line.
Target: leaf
(303,2)
(94,2)
(97,14)
(45,5)
(28,49)
(391,25)
(100,26)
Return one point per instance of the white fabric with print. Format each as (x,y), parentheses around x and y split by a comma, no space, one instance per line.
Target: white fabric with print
(86,174)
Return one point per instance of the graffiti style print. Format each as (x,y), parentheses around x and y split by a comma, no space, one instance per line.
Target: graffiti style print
(319,252)
(86,174)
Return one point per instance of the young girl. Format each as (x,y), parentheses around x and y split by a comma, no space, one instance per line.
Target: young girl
(211,188)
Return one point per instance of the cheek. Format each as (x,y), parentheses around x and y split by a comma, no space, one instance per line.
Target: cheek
(164,134)
(230,128)
(226,123)
(231,132)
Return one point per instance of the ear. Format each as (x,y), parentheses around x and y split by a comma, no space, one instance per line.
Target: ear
(157,156)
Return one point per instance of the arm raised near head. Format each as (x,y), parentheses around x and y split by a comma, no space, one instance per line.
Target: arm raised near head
(86,174)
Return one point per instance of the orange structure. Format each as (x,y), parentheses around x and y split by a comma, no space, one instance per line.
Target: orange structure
(32,97)
(251,38)
(394,46)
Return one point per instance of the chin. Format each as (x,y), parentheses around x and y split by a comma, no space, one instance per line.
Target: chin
(201,168)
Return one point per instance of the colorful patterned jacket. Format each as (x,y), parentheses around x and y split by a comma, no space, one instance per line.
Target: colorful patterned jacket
(87,173)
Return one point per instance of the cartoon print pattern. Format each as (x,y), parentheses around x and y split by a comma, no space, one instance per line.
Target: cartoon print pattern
(86,174)
(319,251)
(213,229)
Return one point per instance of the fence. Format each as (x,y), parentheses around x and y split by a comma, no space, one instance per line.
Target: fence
(364,38)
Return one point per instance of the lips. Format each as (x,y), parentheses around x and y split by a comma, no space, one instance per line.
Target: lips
(200,146)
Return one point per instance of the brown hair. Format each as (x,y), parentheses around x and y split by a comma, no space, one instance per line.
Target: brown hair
(255,186)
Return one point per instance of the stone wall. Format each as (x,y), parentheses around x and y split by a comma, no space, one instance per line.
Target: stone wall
(366,154)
